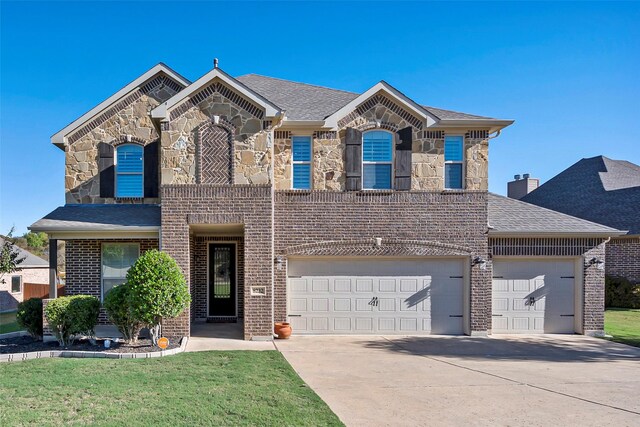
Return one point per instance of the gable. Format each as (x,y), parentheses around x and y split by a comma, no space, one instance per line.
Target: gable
(380,99)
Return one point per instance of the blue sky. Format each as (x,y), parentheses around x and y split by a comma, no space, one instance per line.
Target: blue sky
(568,73)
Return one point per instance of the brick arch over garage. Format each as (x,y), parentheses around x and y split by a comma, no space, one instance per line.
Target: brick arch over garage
(368,247)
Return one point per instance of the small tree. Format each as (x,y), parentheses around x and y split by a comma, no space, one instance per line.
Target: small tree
(71,316)
(158,290)
(117,304)
(29,316)
(9,256)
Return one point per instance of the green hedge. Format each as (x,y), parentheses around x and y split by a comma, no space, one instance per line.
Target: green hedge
(71,316)
(117,304)
(621,293)
(29,316)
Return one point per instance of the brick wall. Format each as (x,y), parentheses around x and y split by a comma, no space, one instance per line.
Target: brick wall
(83,266)
(410,223)
(623,258)
(593,278)
(251,206)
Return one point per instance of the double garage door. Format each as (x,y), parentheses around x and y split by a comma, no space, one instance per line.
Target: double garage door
(533,296)
(376,296)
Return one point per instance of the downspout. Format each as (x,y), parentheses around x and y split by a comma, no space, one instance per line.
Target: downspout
(496,135)
(271,146)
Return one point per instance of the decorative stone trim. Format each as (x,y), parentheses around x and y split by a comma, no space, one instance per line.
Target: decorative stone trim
(321,134)
(19,357)
(209,90)
(377,125)
(433,134)
(388,247)
(128,139)
(533,246)
(477,134)
(128,100)
(266,124)
(282,134)
(386,102)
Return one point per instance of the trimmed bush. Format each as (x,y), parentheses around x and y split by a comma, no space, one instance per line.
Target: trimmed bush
(117,303)
(158,290)
(29,316)
(621,293)
(71,316)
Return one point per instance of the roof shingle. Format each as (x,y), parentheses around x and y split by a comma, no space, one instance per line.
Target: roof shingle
(100,218)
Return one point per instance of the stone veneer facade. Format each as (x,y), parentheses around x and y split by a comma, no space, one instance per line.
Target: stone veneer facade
(623,258)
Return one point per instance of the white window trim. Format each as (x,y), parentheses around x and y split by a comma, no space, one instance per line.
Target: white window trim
(393,156)
(115,164)
(21,283)
(102,263)
(298,162)
(452,162)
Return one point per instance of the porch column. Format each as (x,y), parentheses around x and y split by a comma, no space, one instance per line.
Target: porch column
(53,268)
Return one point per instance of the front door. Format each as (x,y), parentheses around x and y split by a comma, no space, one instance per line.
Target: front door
(222,280)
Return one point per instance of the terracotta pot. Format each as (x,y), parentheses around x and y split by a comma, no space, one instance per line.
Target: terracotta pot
(282,330)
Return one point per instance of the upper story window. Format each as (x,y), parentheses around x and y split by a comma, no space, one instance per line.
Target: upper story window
(453,162)
(377,160)
(301,147)
(129,171)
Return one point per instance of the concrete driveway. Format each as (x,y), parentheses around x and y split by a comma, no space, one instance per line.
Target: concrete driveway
(467,381)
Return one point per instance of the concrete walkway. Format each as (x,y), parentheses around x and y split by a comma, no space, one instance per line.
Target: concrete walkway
(222,336)
(454,381)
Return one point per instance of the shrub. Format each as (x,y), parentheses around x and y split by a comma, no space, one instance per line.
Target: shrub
(158,290)
(71,316)
(29,316)
(117,303)
(621,293)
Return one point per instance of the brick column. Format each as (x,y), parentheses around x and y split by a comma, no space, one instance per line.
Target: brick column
(593,300)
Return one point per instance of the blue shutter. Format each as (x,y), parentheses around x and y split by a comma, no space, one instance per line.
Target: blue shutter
(453,149)
(302,176)
(377,176)
(301,148)
(453,175)
(377,146)
(129,169)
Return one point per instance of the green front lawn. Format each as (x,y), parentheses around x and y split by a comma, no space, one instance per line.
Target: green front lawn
(8,322)
(623,324)
(208,388)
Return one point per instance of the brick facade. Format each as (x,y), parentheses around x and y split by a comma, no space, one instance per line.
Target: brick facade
(184,206)
(84,266)
(409,223)
(623,258)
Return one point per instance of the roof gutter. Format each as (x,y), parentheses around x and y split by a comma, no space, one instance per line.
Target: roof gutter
(598,234)
(492,124)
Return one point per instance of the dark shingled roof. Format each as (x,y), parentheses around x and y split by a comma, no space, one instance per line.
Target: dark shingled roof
(597,189)
(309,102)
(514,216)
(100,218)
(29,260)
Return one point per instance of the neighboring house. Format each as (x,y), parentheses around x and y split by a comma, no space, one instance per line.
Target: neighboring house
(33,270)
(344,213)
(605,191)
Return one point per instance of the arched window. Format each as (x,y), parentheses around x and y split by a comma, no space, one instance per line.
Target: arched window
(129,171)
(377,160)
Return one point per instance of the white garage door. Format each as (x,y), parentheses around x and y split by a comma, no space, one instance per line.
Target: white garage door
(533,296)
(375,296)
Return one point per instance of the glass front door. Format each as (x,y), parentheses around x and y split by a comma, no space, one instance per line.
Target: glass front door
(222,280)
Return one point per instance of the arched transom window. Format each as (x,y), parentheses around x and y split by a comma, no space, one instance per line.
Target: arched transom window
(377,160)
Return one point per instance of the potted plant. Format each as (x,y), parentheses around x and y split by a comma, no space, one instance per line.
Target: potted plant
(282,330)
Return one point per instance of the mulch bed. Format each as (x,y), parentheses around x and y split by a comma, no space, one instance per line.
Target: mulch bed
(28,344)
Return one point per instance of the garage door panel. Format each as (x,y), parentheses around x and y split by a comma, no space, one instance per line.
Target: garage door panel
(533,296)
(398,299)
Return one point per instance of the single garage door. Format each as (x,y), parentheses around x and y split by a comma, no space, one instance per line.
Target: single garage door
(533,296)
(376,296)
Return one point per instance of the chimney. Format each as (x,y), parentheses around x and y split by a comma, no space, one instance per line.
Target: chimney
(520,187)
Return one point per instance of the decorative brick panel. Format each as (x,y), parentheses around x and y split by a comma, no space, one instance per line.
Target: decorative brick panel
(623,258)
(84,265)
(332,223)
(223,90)
(185,205)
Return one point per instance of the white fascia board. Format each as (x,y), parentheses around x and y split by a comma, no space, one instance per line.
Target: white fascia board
(418,110)
(59,138)
(515,234)
(289,124)
(493,124)
(162,111)
(103,234)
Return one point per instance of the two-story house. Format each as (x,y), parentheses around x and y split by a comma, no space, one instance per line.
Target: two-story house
(344,213)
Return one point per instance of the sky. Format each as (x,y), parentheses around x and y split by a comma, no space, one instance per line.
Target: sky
(567,73)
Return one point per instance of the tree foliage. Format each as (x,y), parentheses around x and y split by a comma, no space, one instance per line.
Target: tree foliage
(71,316)
(9,256)
(29,316)
(36,240)
(158,289)
(117,304)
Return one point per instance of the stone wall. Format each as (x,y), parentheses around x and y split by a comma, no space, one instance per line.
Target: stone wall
(252,157)
(623,258)
(329,223)
(84,266)
(187,205)
(130,116)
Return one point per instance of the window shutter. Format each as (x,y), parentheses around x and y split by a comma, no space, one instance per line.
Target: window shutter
(403,158)
(106,168)
(353,159)
(151,169)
